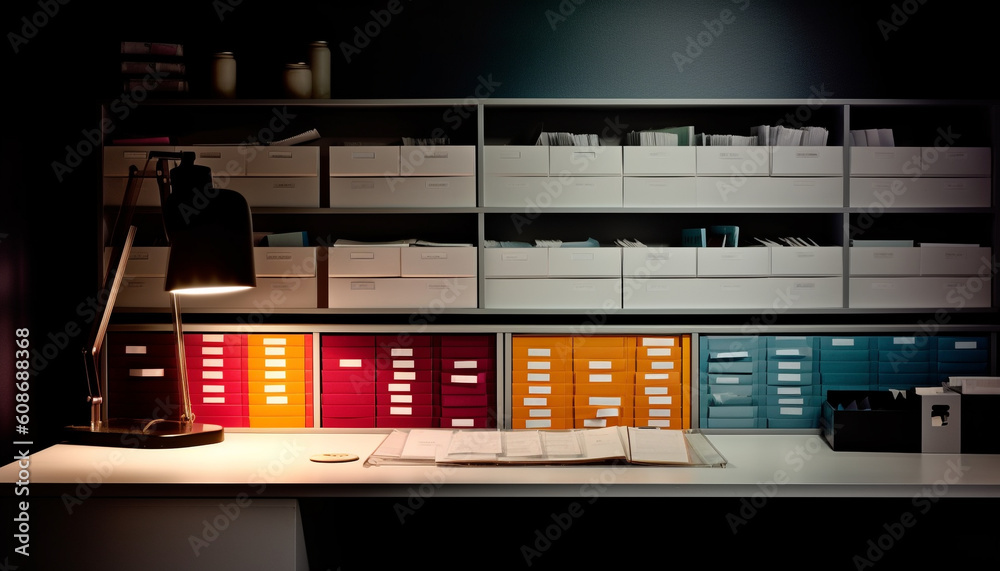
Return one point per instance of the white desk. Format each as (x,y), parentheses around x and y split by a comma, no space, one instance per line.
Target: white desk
(189,494)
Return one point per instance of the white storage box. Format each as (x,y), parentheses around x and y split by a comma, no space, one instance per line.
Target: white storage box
(516,262)
(866,261)
(516,160)
(780,294)
(807,261)
(955,260)
(944,293)
(433,293)
(585,161)
(224,160)
(428,261)
(118,158)
(552,192)
(585,262)
(923,192)
(749,261)
(403,192)
(658,192)
(737,160)
(363,261)
(956,161)
(301,192)
(807,161)
(364,160)
(282,161)
(778,192)
(659,262)
(659,161)
(885,161)
(553,293)
(440,160)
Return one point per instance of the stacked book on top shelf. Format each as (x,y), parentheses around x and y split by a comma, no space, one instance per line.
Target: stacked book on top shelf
(871,138)
(154,67)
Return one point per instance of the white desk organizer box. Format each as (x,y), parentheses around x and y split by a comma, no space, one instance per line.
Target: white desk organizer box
(278,176)
(729,278)
(563,278)
(924,276)
(403,277)
(402,176)
(925,177)
(286,278)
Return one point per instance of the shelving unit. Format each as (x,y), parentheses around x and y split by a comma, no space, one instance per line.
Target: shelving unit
(491,182)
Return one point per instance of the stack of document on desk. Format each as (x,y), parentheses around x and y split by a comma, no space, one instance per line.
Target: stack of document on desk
(547,447)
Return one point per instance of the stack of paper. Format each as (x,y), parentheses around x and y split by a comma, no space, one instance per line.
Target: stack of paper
(568,139)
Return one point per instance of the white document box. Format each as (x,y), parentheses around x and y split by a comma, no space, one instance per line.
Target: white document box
(118,158)
(807,261)
(956,161)
(866,261)
(778,192)
(659,191)
(565,191)
(276,262)
(659,262)
(430,261)
(739,160)
(659,161)
(553,293)
(922,192)
(435,293)
(363,261)
(585,262)
(403,192)
(585,161)
(955,260)
(516,160)
(439,160)
(516,262)
(288,191)
(944,293)
(225,160)
(734,293)
(807,161)
(748,261)
(282,160)
(885,161)
(364,160)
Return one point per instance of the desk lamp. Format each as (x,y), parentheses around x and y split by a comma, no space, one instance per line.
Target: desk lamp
(210,234)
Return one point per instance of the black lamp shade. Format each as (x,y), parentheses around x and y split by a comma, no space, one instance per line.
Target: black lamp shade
(210,233)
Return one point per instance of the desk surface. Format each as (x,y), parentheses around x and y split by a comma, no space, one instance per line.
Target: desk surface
(278,465)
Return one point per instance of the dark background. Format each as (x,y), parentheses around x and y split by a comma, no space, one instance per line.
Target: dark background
(61,58)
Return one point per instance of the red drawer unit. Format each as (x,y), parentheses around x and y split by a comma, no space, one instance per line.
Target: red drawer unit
(347,381)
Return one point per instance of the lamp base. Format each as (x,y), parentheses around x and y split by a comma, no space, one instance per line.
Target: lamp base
(134,433)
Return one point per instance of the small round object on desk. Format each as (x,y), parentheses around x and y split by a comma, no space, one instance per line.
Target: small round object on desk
(332,457)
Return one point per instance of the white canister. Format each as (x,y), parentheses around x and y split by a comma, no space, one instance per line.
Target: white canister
(298,81)
(224,75)
(319,63)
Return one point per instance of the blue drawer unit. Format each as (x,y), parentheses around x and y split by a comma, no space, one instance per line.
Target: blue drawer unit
(792,362)
(962,356)
(906,361)
(732,374)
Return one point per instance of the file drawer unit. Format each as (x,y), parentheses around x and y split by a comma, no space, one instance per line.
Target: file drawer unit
(283,176)
(544,176)
(402,177)
(542,382)
(468,380)
(347,381)
(603,381)
(279,373)
(848,363)
(663,381)
(216,368)
(792,382)
(732,384)
(962,356)
(926,177)
(142,377)
(657,177)
(407,387)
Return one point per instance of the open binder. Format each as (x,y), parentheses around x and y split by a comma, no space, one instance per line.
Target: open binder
(647,446)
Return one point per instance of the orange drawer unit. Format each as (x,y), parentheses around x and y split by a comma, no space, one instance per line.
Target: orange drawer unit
(280,381)
(663,381)
(542,382)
